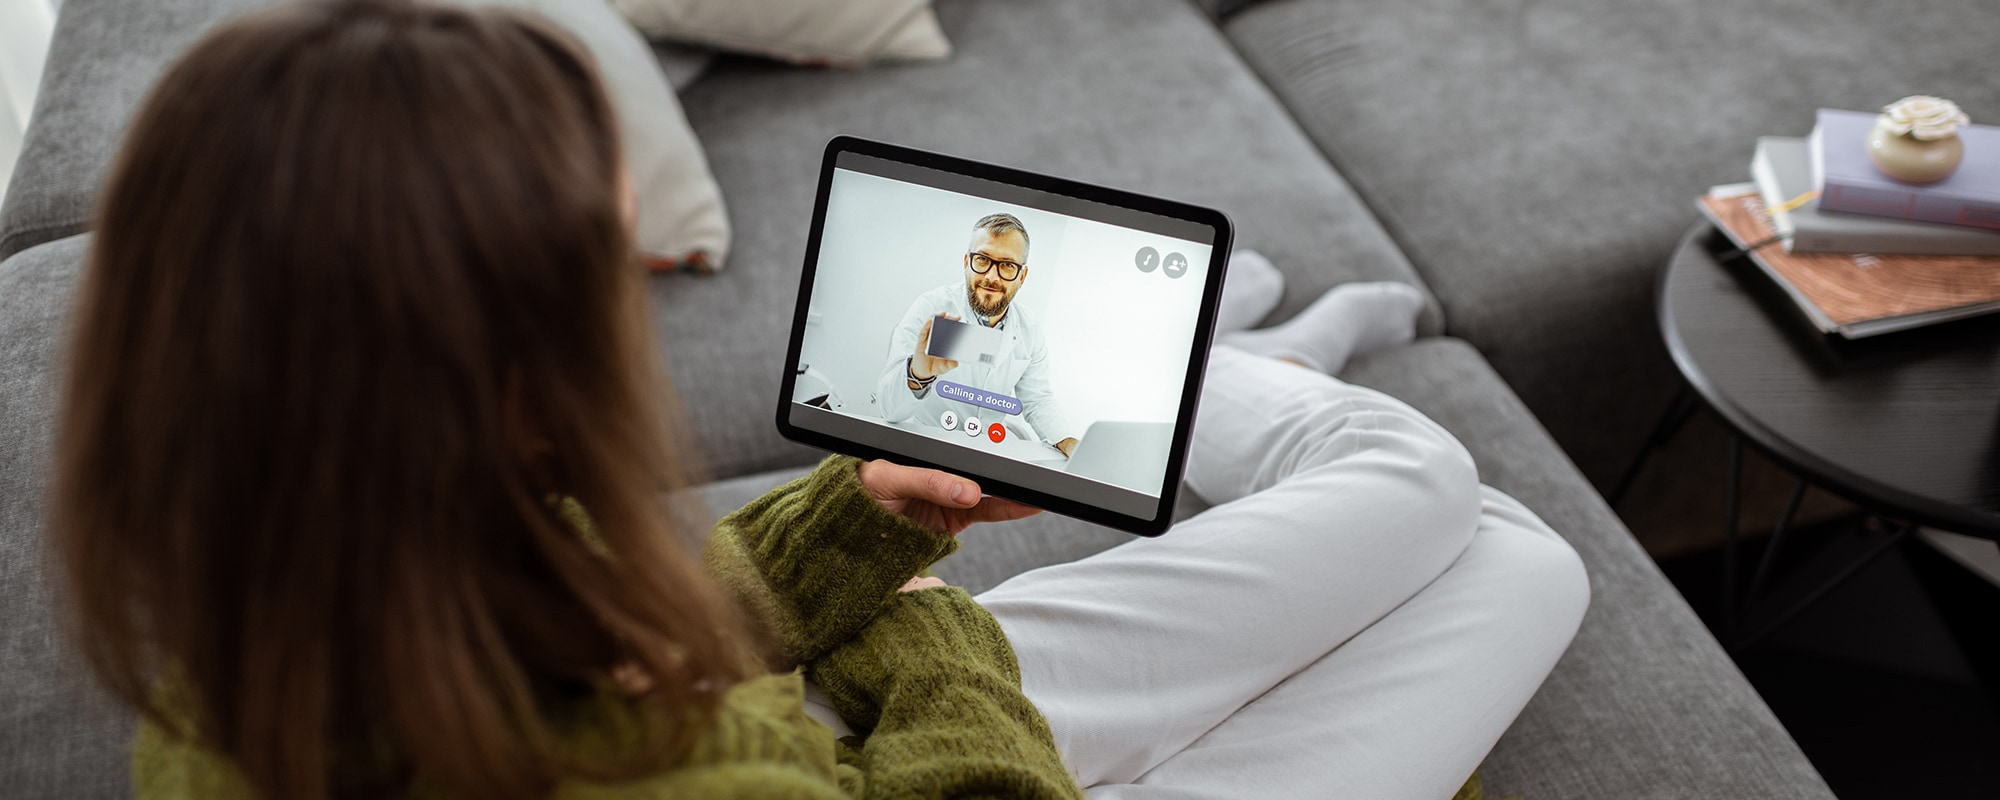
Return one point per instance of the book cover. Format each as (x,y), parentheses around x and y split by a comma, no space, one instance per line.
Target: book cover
(1850,183)
(1857,295)
(1783,171)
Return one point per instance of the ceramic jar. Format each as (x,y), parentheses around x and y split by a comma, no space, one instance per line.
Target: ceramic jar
(1913,160)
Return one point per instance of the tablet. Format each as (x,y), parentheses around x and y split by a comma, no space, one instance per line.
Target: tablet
(1044,337)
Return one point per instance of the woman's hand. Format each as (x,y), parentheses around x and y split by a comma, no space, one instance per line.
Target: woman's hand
(921,582)
(936,500)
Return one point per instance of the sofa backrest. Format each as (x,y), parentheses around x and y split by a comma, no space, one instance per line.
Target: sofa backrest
(59,736)
(104,56)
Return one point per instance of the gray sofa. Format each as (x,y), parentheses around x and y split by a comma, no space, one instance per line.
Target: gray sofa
(1527,166)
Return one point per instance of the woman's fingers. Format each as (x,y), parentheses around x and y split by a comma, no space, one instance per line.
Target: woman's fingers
(954,501)
(996,509)
(921,582)
(889,482)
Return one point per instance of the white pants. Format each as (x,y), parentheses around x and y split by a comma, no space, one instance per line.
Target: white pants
(1356,617)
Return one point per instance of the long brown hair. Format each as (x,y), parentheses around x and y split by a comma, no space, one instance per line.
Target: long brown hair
(360,310)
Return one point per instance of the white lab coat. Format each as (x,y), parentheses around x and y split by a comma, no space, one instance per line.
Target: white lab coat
(1020,369)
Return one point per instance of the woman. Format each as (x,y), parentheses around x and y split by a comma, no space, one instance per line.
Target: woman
(359,494)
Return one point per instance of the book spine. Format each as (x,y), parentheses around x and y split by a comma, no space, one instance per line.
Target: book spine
(1907,204)
(1973,243)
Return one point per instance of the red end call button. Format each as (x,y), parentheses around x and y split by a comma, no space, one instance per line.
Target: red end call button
(997,432)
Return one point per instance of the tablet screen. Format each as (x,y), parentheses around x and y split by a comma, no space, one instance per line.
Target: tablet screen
(1040,338)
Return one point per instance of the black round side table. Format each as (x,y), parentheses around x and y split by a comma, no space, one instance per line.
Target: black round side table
(1906,424)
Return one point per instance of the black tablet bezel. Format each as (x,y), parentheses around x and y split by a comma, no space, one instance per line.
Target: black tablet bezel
(1197,362)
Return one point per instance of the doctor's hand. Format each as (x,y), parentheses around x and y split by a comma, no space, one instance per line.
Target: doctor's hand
(924,366)
(940,501)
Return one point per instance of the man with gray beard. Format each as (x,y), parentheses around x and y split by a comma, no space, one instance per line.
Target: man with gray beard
(995,266)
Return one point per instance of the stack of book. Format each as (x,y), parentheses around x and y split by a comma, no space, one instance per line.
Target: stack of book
(1863,254)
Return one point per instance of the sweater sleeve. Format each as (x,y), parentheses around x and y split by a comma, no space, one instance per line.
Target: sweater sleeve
(934,687)
(759,745)
(818,557)
(167,767)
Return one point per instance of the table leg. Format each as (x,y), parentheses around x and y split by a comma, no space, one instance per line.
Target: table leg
(1678,411)
(1727,618)
(1771,551)
(1903,531)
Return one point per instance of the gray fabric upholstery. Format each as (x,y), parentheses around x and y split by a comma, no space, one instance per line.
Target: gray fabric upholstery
(1645,704)
(59,737)
(1537,162)
(1223,9)
(103,58)
(1138,94)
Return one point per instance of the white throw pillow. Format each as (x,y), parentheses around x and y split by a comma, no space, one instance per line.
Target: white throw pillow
(829,32)
(681,220)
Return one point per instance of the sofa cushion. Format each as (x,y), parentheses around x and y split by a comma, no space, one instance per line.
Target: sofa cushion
(1139,94)
(1538,161)
(59,736)
(106,55)
(1645,704)
(681,222)
(683,63)
(103,58)
(848,34)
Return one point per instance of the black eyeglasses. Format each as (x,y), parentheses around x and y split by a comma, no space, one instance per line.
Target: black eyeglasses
(982,265)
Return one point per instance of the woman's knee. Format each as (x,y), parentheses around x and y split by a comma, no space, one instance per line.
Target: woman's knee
(1384,423)
(1398,440)
(1417,479)
(1546,579)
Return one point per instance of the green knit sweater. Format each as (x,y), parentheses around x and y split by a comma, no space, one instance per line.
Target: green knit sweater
(926,678)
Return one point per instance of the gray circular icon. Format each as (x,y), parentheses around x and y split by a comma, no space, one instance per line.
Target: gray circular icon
(1176,265)
(949,421)
(973,428)
(1147,259)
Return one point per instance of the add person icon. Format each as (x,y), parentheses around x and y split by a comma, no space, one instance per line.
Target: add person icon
(1175,266)
(1147,259)
(949,421)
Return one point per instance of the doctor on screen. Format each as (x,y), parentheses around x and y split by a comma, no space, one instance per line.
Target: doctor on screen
(995,265)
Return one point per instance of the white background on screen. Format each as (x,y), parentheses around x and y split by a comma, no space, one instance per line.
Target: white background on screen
(1117,336)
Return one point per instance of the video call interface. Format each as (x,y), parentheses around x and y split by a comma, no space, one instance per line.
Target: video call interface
(998,319)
